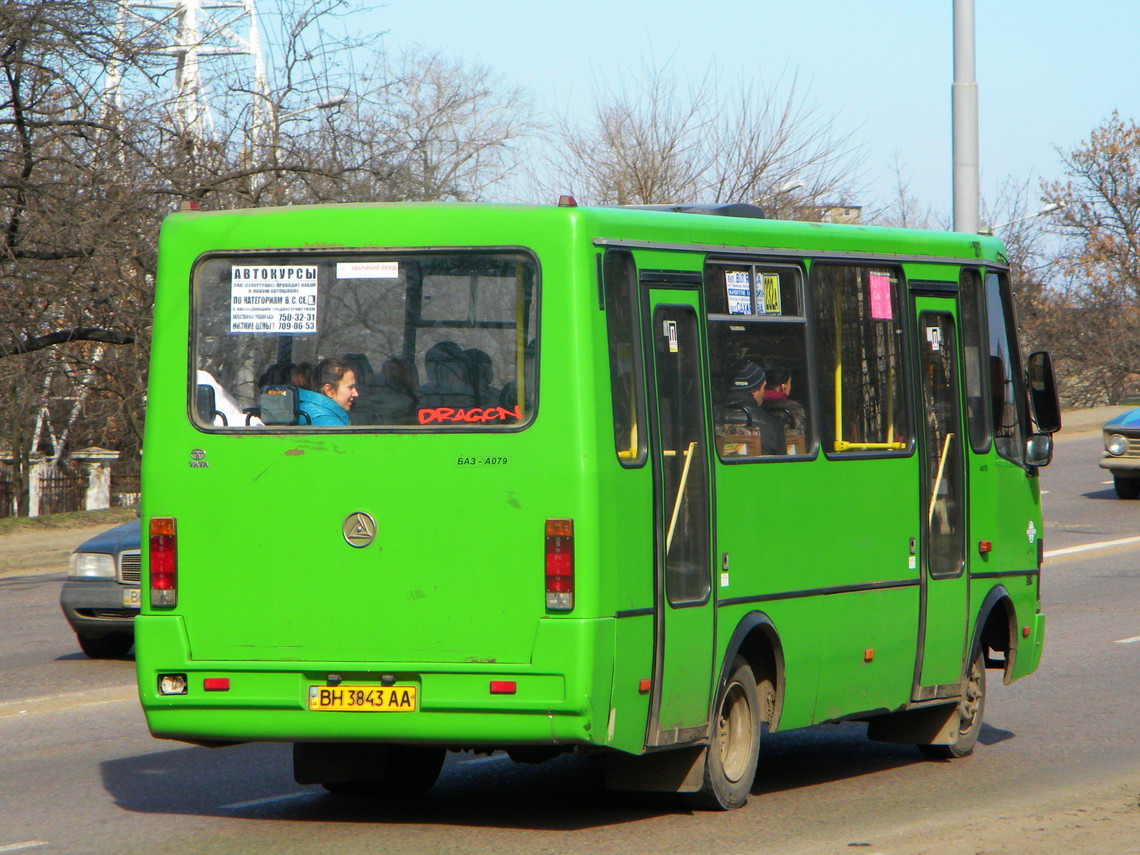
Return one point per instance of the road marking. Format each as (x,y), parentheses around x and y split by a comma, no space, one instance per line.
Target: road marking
(27,844)
(266,801)
(1131,640)
(68,701)
(1089,547)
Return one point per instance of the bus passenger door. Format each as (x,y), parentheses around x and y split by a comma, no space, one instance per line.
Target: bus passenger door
(683,602)
(943,613)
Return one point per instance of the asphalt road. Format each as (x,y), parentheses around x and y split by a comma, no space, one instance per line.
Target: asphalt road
(79,773)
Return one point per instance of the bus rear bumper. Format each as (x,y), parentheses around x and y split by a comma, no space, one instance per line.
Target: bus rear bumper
(457,704)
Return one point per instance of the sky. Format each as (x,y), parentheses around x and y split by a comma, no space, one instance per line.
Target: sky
(1048,71)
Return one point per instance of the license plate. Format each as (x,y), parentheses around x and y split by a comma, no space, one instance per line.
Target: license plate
(362,698)
(131,597)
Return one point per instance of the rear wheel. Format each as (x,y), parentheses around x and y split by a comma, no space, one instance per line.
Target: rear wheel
(969,715)
(113,645)
(1126,488)
(368,769)
(734,746)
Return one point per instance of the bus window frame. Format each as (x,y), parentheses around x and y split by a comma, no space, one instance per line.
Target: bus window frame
(1016,369)
(530,416)
(906,352)
(799,267)
(980,325)
(637,391)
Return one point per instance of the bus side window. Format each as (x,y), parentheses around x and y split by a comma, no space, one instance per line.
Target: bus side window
(626,384)
(1007,394)
(858,337)
(757,319)
(976,362)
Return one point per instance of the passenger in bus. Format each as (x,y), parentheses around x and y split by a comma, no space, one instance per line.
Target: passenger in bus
(286,374)
(746,395)
(448,373)
(332,394)
(396,396)
(790,412)
(482,373)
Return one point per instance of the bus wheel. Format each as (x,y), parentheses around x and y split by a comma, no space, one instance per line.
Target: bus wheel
(368,769)
(734,744)
(970,711)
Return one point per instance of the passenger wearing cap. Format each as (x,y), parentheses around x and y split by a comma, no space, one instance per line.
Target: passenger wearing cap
(746,393)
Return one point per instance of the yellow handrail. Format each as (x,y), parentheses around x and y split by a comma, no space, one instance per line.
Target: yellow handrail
(680,494)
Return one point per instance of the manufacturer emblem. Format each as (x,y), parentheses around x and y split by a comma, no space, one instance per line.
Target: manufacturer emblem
(359,529)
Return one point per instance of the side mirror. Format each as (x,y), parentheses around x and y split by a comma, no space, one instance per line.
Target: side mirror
(1039,449)
(1043,400)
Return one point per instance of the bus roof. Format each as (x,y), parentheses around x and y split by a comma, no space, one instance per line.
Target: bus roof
(337,225)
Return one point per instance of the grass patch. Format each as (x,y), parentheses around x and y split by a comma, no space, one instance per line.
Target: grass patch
(74,519)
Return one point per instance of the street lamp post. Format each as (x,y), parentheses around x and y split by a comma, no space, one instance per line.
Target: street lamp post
(964,114)
(1047,209)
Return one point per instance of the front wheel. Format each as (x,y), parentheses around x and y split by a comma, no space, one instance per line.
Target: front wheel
(734,745)
(969,715)
(1126,488)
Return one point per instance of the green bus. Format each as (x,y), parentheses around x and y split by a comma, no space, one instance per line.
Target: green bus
(635,482)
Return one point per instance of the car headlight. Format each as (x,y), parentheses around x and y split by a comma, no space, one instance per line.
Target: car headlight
(1116,444)
(91,565)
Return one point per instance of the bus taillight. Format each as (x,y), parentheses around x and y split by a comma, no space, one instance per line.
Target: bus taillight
(560,564)
(163,562)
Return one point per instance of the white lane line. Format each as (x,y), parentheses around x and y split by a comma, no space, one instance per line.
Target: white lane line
(1131,640)
(27,844)
(1089,547)
(266,801)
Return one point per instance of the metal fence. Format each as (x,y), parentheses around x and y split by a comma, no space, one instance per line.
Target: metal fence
(125,488)
(7,492)
(62,490)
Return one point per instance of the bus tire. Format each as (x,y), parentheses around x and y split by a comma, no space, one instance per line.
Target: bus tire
(1126,488)
(734,743)
(394,771)
(969,714)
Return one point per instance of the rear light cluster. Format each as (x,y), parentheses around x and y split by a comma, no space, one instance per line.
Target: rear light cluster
(560,564)
(163,562)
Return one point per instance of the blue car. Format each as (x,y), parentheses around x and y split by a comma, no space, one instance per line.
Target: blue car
(1122,453)
(100,597)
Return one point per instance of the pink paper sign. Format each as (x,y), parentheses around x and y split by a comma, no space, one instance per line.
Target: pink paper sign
(880,297)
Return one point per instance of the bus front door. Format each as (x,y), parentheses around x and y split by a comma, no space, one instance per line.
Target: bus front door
(943,613)
(683,603)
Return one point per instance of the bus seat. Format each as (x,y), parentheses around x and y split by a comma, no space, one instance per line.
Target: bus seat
(279,405)
(736,435)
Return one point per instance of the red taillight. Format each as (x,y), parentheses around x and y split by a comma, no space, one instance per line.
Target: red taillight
(163,562)
(560,564)
(216,684)
(503,687)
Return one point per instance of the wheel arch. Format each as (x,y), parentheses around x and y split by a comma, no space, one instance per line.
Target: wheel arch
(996,629)
(758,642)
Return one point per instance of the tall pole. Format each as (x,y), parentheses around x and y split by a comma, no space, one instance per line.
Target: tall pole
(964,106)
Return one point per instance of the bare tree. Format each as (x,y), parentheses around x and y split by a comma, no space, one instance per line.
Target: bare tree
(1097,328)
(652,141)
(88,171)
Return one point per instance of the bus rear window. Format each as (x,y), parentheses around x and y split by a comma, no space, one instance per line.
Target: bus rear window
(309,341)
